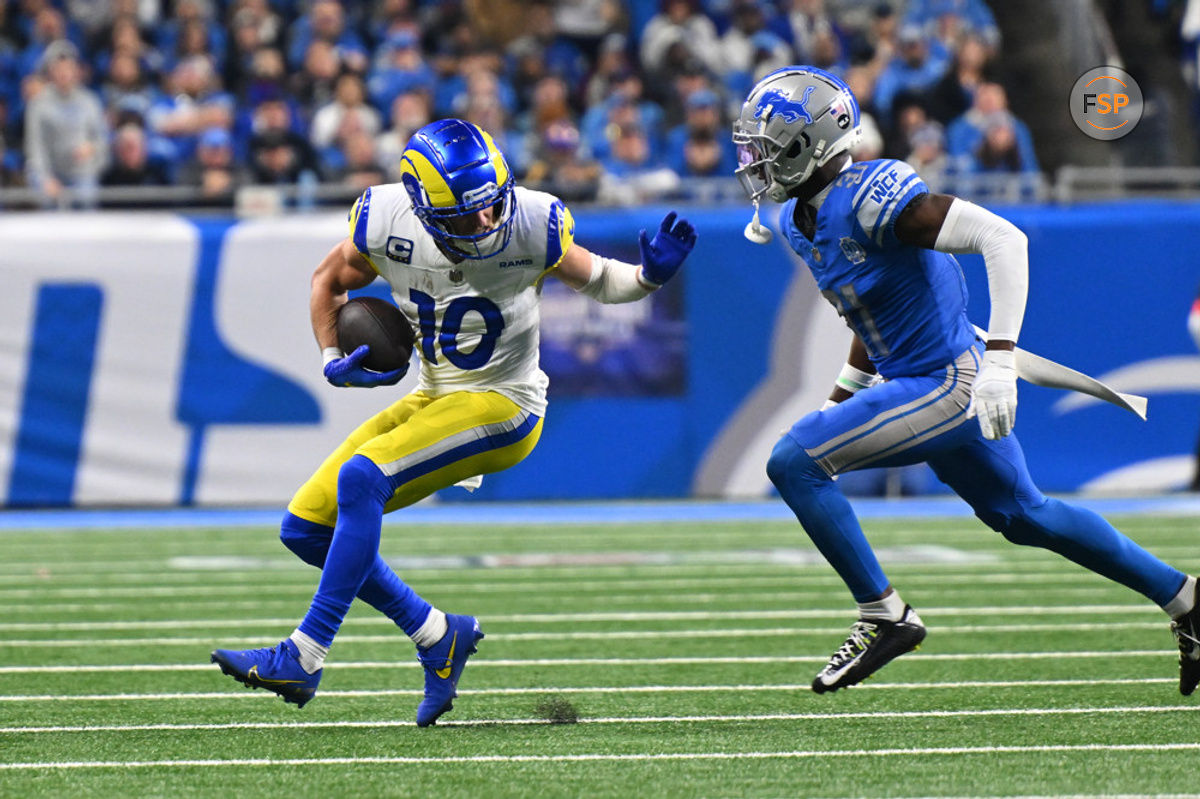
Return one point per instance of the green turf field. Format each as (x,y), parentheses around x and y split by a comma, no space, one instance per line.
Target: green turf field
(685,649)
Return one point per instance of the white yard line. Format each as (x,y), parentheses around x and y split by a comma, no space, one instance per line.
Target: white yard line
(609,635)
(607,689)
(556,618)
(601,757)
(723,597)
(898,714)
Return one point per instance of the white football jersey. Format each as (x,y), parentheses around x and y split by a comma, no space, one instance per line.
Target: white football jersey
(476,321)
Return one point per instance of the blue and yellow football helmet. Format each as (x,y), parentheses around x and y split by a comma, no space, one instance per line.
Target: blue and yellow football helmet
(450,169)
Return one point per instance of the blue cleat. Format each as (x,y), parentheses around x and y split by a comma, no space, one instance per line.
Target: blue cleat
(443,664)
(276,668)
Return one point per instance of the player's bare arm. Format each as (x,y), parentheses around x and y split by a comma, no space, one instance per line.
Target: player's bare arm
(856,374)
(340,271)
(575,268)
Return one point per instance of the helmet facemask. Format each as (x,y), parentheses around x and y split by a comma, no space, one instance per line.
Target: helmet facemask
(452,171)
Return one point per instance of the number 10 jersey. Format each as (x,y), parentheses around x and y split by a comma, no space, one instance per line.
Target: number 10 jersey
(476,320)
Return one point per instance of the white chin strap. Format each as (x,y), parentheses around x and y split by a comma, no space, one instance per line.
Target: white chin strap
(755,230)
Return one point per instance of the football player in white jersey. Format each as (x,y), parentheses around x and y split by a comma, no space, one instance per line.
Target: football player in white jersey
(465,251)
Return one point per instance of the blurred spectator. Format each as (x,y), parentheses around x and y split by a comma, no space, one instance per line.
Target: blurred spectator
(314,85)
(348,114)
(410,111)
(948,17)
(548,103)
(361,167)
(965,133)
(280,158)
(560,167)
(48,25)
(214,170)
(195,102)
(747,35)
(700,145)
(612,60)
(870,146)
(267,76)
(677,32)
(326,21)
(126,39)
(999,150)
(927,153)
(194,40)
(559,54)
(66,137)
(911,116)
(955,92)
(10,157)
(625,106)
(125,85)
(399,68)
(630,174)
(245,39)
(800,24)
(389,16)
(913,72)
(131,163)
(828,54)
(587,23)
(278,152)
(191,31)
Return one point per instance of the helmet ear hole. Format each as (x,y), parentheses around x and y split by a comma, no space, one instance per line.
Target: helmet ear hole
(797,146)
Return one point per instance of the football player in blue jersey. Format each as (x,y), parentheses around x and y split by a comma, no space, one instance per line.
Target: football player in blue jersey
(880,246)
(464,250)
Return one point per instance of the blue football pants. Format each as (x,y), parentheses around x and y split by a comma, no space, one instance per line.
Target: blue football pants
(920,419)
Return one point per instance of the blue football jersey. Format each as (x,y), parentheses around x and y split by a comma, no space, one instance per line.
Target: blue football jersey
(907,304)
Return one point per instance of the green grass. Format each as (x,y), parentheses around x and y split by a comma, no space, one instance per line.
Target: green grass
(688,671)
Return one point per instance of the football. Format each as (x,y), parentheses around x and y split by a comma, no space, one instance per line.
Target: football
(379,324)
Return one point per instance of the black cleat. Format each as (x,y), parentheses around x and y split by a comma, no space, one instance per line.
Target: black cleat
(1187,635)
(872,644)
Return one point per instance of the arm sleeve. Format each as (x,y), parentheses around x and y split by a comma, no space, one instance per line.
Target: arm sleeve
(614,281)
(969,228)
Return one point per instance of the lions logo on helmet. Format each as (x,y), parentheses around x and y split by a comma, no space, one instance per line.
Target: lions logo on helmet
(452,169)
(795,120)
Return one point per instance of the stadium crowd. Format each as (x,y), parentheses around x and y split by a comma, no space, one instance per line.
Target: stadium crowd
(611,100)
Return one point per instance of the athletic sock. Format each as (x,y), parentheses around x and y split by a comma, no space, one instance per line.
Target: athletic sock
(432,631)
(1184,600)
(312,654)
(890,608)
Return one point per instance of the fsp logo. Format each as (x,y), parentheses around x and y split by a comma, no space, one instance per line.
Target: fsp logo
(1106,103)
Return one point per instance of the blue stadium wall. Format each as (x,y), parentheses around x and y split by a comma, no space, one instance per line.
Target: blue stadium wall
(157,359)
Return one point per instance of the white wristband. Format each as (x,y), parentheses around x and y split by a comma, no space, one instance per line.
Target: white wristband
(331,354)
(853,379)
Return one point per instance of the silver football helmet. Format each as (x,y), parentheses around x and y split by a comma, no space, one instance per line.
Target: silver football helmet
(795,120)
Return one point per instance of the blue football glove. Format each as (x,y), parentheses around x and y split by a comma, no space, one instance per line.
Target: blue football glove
(662,256)
(346,371)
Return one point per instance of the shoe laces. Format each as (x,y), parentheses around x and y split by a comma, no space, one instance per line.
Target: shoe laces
(1186,636)
(862,634)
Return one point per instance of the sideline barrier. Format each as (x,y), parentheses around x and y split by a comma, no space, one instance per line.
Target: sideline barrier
(156,359)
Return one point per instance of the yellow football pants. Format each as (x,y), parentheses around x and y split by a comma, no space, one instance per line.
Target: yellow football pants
(424,444)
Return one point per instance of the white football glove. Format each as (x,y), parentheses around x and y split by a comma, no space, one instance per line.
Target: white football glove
(994,394)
